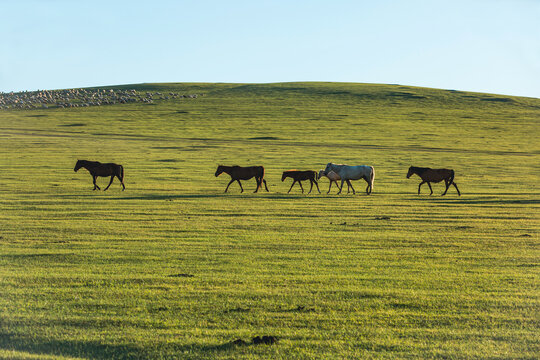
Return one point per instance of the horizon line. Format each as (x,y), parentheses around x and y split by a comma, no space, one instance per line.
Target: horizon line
(266,83)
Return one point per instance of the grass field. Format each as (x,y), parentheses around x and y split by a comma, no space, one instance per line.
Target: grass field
(174,268)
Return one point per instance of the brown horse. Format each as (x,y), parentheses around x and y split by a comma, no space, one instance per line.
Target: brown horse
(95,168)
(298,175)
(429,175)
(238,173)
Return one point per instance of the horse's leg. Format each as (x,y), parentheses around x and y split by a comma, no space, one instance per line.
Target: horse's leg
(419,186)
(110,182)
(311,186)
(229,184)
(453,183)
(317,184)
(329,187)
(259,183)
(428,184)
(301,187)
(447,185)
(95,185)
(121,182)
(239,183)
(341,187)
(350,184)
(291,186)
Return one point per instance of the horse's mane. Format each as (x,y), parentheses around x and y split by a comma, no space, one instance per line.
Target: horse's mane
(88,162)
(337,165)
(420,170)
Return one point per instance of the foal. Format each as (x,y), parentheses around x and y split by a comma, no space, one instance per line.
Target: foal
(238,173)
(298,175)
(95,168)
(333,177)
(429,175)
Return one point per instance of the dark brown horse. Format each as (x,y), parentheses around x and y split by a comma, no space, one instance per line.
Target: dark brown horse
(298,175)
(238,173)
(429,175)
(95,168)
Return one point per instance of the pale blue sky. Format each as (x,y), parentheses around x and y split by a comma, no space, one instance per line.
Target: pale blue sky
(474,45)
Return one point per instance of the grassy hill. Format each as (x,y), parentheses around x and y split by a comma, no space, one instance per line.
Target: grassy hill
(174,268)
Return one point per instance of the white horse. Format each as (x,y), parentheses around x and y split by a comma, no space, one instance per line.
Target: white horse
(347,172)
(333,177)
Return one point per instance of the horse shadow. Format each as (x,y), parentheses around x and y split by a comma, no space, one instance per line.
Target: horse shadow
(139,197)
(70,348)
(478,199)
(102,351)
(215,195)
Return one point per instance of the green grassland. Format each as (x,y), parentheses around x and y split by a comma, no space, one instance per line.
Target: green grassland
(174,268)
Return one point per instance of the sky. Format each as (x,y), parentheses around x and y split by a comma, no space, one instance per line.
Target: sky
(488,46)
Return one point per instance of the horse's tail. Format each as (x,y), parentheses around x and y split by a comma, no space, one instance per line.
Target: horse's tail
(372,177)
(121,172)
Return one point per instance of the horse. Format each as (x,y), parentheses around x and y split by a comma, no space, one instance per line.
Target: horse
(238,173)
(95,168)
(333,177)
(298,175)
(348,172)
(429,175)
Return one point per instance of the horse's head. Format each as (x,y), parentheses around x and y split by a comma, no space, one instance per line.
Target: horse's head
(410,172)
(284,176)
(219,170)
(329,167)
(78,165)
(321,174)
